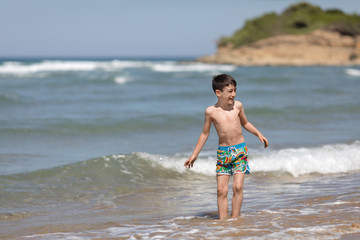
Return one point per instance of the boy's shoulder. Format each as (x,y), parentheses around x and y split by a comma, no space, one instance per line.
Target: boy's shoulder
(238,104)
(210,109)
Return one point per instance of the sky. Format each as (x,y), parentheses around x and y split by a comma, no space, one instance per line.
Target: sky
(130,28)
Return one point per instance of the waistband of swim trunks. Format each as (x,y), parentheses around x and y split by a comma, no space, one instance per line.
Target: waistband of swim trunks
(224,148)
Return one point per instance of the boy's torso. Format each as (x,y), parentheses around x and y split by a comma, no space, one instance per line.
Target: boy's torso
(227,124)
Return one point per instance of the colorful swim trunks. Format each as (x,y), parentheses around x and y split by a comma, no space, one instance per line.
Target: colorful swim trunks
(232,159)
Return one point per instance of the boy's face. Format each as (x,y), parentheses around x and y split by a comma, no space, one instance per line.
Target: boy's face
(227,95)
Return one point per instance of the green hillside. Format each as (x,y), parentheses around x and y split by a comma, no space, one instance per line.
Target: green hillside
(297,19)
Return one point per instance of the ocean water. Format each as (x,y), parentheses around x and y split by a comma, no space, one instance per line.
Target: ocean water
(94,149)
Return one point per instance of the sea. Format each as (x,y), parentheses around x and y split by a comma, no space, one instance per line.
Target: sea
(93,148)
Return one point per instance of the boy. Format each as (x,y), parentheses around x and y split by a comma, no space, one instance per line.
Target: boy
(228,116)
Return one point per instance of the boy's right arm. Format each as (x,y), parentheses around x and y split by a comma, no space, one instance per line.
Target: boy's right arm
(201,142)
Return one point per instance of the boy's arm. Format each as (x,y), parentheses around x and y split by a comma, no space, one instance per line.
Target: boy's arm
(202,139)
(251,128)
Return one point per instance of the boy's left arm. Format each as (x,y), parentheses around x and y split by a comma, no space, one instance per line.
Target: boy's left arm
(251,128)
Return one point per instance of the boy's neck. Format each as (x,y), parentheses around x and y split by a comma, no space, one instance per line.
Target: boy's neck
(225,106)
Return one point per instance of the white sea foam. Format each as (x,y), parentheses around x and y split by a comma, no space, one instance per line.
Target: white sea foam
(308,211)
(191,67)
(325,232)
(17,68)
(352,72)
(46,66)
(49,66)
(337,158)
(121,80)
(328,159)
(182,218)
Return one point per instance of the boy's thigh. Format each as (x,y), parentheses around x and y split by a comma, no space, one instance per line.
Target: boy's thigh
(239,179)
(222,181)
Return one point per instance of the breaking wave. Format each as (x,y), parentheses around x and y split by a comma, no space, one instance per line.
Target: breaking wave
(116,175)
(352,72)
(327,159)
(55,66)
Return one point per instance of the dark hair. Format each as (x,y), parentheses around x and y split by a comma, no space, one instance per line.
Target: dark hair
(221,81)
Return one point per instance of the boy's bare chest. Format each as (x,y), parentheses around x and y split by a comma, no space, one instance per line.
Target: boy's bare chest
(222,117)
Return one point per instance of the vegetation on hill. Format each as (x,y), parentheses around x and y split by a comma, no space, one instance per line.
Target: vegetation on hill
(299,18)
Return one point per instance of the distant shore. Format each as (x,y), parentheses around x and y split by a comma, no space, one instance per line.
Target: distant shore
(320,47)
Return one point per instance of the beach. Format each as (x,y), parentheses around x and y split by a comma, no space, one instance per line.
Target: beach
(94,149)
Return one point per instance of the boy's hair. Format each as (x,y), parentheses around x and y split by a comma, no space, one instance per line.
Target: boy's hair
(221,81)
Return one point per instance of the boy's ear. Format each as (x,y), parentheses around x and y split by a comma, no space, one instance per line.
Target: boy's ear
(217,92)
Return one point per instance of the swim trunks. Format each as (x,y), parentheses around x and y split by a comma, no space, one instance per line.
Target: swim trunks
(232,159)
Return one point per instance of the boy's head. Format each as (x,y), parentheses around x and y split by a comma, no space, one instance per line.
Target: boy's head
(221,81)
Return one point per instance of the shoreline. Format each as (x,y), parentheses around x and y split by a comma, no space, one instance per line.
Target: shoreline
(330,214)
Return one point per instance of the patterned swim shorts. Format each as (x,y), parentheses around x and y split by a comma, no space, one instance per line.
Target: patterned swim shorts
(232,159)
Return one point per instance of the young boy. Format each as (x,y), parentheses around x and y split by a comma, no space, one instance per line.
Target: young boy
(228,116)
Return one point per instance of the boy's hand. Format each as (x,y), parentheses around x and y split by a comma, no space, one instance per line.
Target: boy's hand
(190,162)
(264,141)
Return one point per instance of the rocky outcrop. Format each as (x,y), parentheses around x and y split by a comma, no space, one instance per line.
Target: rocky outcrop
(319,47)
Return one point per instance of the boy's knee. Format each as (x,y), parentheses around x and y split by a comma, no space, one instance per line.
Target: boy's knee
(237,188)
(222,191)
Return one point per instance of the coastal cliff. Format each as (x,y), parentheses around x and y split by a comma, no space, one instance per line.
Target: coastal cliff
(298,37)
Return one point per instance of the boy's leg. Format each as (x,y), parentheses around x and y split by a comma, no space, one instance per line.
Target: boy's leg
(237,194)
(222,190)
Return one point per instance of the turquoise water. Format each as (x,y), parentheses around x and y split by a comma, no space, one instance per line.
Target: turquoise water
(99,144)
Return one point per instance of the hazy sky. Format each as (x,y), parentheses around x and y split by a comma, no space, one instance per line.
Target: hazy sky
(123,28)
